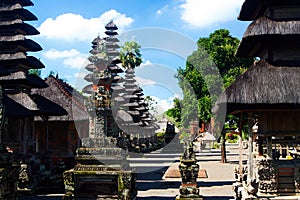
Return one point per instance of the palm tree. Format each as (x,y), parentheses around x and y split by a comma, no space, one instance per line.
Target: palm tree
(130,55)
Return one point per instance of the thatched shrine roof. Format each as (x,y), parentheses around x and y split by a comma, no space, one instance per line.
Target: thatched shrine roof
(252,9)
(17,61)
(12,38)
(115,69)
(91,67)
(67,97)
(22,14)
(21,45)
(48,107)
(111,26)
(263,87)
(111,39)
(14,109)
(21,2)
(24,100)
(88,89)
(24,105)
(23,79)
(97,40)
(18,28)
(3,71)
(267,32)
(266,26)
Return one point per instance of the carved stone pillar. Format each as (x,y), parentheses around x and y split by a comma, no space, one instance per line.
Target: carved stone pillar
(251,186)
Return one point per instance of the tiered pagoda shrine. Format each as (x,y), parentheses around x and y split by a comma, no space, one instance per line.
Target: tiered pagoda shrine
(102,171)
(267,95)
(16,81)
(132,115)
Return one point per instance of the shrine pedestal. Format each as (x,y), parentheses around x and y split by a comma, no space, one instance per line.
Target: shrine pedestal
(102,173)
(97,184)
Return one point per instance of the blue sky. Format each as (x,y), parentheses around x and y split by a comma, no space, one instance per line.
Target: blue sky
(166,29)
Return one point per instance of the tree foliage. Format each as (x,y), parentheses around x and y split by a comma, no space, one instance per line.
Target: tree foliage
(130,54)
(175,112)
(209,70)
(151,103)
(36,72)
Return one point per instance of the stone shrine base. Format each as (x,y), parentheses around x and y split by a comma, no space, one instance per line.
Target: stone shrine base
(188,198)
(100,185)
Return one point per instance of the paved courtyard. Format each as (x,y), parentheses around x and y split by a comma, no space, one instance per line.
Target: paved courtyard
(153,186)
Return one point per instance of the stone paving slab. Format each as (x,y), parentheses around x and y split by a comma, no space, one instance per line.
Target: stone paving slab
(173,172)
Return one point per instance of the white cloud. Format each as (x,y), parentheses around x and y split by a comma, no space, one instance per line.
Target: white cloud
(76,62)
(143,81)
(162,104)
(71,58)
(201,13)
(70,27)
(54,54)
(162,10)
(80,75)
(145,63)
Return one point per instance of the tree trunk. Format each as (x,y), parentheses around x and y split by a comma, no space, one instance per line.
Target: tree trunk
(223,148)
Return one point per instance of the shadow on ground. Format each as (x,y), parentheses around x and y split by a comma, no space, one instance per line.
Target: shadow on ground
(218,198)
(169,198)
(40,198)
(144,186)
(215,183)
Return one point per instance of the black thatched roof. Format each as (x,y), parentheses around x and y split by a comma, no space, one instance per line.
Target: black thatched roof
(48,107)
(19,28)
(267,32)
(22,14)
(3,71)
(111,39)
(111,26)
(12,38)
(24,105)
(252,9)
(21,2)
(15,63)
(65,96)
(22,45)
(14,109)
(88,89)
(22,79)
(263,86)
(266,26)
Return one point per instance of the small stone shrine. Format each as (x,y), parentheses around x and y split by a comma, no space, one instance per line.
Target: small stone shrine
(189,170)
(102,171)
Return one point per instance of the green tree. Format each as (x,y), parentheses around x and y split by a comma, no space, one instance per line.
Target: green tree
(221,46)
(36,72)
(130,54)
(175,112)
(209,70)
(151,104)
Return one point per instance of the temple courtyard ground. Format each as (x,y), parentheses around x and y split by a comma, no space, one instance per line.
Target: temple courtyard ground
(153,185)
